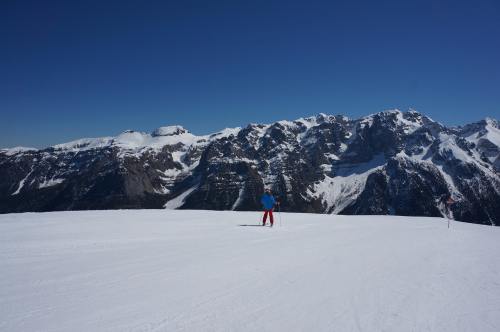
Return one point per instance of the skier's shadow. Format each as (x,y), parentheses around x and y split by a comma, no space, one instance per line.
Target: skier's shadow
(250,225)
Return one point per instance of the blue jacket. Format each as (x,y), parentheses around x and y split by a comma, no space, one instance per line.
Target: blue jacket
(268,201)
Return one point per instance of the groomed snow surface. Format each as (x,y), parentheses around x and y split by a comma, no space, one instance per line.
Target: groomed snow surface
(162,270)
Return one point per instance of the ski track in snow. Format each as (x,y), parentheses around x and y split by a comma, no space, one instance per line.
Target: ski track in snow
(164,270)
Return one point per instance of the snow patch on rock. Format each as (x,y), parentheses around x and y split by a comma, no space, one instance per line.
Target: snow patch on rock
(178,201)
(50,183)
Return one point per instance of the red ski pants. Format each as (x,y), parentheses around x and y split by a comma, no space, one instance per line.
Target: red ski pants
(270,212)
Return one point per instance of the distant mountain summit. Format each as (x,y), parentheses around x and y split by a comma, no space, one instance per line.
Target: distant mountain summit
(390,162)
(169,131)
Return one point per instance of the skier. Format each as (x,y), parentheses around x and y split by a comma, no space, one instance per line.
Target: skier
(268,201)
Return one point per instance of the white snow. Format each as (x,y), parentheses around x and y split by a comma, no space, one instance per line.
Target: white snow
(491,133)
(308,122)
(134,142)
(408,126)
(450,149)
(368,119)
(238,201)
(168,131)
(84,144)
(258,134)
(226,132)
(340,191)
(50,183)
(164,270)
(21,183)
(234,160)
(179,200)
(448,146)
(16,150)
(171,173)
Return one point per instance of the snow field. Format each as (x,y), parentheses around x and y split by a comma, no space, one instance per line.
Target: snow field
(172,270)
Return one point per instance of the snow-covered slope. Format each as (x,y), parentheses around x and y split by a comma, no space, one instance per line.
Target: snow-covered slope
(165,270)
(391,162)
(485,135)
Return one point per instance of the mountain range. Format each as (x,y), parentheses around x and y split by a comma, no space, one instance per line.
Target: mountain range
(391,162)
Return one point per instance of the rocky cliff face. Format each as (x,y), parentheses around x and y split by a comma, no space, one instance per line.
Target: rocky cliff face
(387,163)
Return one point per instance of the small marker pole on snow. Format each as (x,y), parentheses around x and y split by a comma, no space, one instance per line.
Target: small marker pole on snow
(279,212)
(449,202)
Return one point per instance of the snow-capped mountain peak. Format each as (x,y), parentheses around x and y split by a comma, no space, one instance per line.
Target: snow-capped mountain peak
(16,150)
(169,131)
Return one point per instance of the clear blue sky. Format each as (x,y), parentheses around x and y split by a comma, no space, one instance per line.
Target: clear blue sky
(71,69)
